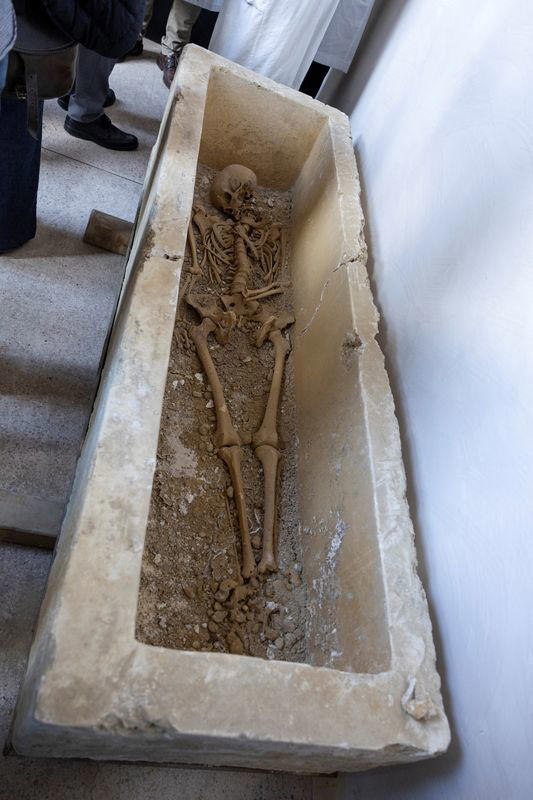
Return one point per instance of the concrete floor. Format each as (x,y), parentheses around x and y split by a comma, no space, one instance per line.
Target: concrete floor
(58,297)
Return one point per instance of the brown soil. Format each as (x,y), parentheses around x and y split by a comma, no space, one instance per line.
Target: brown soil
(192,595)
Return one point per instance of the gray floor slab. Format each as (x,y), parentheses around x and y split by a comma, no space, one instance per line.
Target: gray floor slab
(58,296)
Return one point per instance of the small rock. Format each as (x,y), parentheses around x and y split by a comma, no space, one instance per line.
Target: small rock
(219,616)
(256,543)
(236,616)
(196,394)
(217,607)
(174,384)
(254,583)
(157,558)
(246,359)
(209,403)
(196,644)
(221,596)
(275,622)
(189,592)
(212,626)
(279,643)
(240,593)
(290,639)
(199,376)
(235,645)
(288,626)
(227,585)
(295,578)
(230,492)
(271,634)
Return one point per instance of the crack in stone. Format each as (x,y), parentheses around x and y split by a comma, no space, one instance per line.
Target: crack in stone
(323,292)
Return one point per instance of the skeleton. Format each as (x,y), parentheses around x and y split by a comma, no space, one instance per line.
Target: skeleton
(226,248)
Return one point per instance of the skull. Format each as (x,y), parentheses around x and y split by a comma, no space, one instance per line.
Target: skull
(231,188)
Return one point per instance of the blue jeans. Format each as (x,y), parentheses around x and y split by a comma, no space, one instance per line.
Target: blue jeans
(20,159)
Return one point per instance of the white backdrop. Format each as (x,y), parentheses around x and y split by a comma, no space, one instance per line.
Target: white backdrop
(441,104)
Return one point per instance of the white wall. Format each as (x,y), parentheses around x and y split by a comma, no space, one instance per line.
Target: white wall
(441,104)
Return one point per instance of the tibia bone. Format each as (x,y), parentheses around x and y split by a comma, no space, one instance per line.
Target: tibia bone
(269,458)
(232,457)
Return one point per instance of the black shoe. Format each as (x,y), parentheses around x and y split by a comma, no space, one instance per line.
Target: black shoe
(135,51)
(102,132)
(109,100)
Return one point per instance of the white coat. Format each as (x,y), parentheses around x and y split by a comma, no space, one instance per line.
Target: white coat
(280,38)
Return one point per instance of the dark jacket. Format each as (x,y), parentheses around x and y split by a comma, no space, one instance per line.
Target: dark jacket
(109,27)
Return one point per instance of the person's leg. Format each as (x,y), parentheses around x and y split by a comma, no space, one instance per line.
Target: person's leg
(86,118)
(19,173)
(148,11)
(92,85)
(181,19)
(90,93)
(137,48)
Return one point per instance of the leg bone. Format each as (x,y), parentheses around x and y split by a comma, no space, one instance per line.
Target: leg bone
(269,458)
(227,440)
(232,457)
(266,449)
(225,435)
(267,433)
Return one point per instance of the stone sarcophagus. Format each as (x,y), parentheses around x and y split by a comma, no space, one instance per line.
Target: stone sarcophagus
(360,688)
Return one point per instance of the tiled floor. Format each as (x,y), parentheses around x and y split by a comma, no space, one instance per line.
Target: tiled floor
(58,296)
